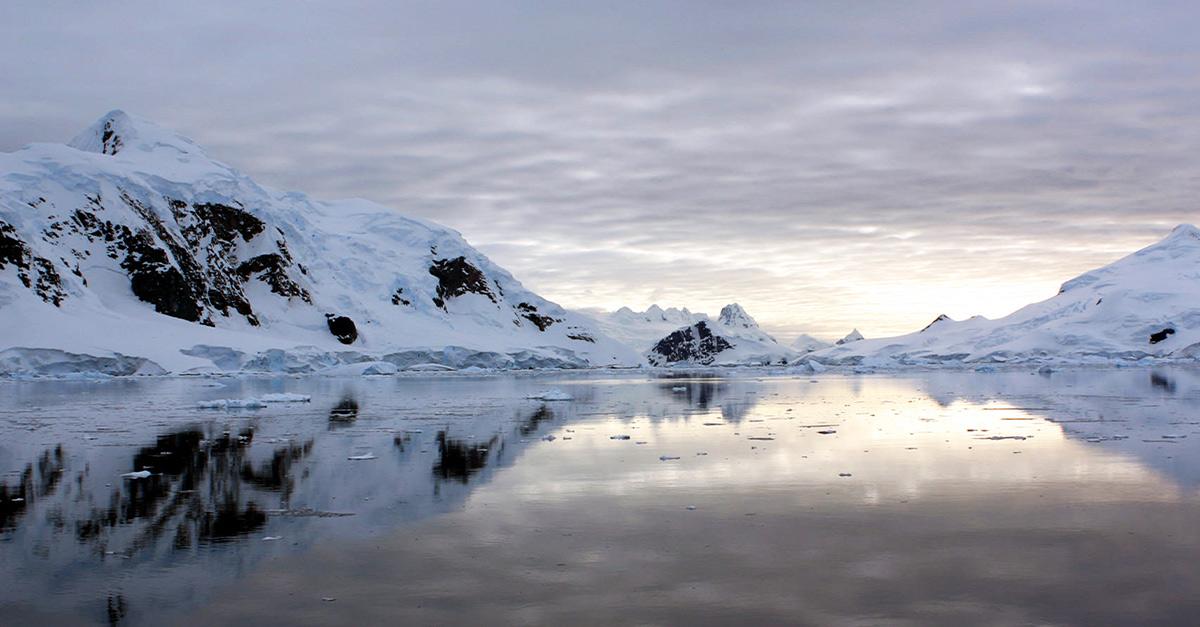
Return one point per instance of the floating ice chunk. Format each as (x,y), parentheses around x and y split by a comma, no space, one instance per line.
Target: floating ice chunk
(618,437)
(285,397)
(691,508)
(139,474)
(679,388)
(667,458)
(232,403)
(551,395)
(361,458)
(549,438)
(271,538)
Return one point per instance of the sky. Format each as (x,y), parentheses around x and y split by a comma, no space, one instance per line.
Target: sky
(828,165)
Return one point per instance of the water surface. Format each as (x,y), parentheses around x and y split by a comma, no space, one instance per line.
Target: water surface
(952,498)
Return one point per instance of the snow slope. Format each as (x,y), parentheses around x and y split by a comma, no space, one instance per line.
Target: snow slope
(735,338)
(130,242)
(807,344)
(641,329)
(1145,305)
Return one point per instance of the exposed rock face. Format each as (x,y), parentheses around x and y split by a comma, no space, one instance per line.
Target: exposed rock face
(1159,336)
(188,266)
(695,344)
(457,277)
(36,273)
(342,328)
(530,313)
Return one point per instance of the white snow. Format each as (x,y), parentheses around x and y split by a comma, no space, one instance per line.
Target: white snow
(807,344)
(1111,314)
(354,258)
(639,330)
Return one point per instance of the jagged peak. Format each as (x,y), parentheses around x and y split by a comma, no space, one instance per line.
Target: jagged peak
(732,315)
(940,318)
(853,336)
(117,131)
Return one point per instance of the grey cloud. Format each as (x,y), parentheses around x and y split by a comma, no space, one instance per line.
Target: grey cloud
(827,164)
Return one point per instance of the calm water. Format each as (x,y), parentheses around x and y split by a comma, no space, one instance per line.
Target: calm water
(935,498)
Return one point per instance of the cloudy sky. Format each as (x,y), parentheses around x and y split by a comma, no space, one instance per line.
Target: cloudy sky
(826,164)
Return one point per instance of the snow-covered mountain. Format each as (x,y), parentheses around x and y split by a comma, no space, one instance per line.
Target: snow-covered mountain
(853,336)
(735,338)
(1145,305)
(129,249)
(641,329)
(806,344)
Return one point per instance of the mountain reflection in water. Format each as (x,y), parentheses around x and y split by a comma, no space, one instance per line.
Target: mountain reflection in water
(231,493)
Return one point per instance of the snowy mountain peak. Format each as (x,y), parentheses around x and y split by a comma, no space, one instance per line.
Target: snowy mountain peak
(1142,306)
(1184,231)
(853,336)
(941,318)
(118,131)
(133,242)
(732,315)
(807,344)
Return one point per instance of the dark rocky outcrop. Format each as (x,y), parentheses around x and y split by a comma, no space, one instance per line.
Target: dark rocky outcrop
(398,297)
(187,266)
(36,273)
(1159,336)
(457,277)
(530,313)
(695,344)
(342,328)
(154,280)
(271,269)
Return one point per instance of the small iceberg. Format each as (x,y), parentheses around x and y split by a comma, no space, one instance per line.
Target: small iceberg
(361,458)
(551,395)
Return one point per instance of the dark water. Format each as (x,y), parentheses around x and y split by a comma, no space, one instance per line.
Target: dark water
(933,498)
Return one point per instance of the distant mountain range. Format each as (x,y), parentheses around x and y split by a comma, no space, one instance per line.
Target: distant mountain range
(1144,306)
(130,251)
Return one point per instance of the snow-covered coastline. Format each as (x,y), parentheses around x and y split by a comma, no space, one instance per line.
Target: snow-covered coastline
(130,252)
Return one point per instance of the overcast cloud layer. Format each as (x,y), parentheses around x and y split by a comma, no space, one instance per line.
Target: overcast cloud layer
(827,165)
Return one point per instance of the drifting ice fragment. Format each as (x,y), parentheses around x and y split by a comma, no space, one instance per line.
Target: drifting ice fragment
(232,403)
(140,474)
(361,458)
(285,397)
(666,458)
(551,395)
